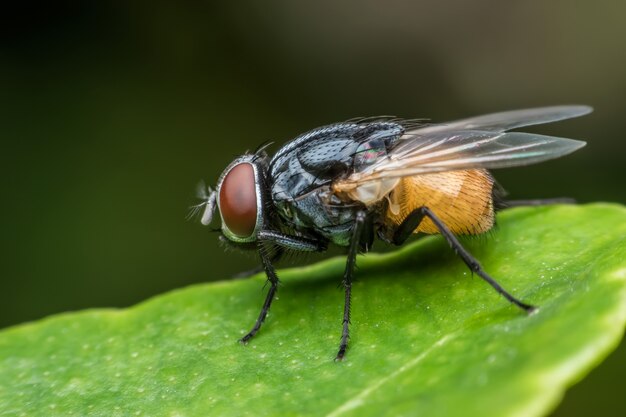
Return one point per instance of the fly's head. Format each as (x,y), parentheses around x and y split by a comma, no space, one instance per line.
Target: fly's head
(238,197)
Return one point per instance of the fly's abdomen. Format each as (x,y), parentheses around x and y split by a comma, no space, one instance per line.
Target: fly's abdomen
(461,199)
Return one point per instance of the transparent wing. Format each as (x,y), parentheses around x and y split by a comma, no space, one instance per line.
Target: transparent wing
(446,151)
(479,142)
(503,121)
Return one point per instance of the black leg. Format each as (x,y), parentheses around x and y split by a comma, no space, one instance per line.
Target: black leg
(281,242)
(273,279)
(408,226)
(347,282)
(296,243)
(415,218)
(273,259)
(537,202)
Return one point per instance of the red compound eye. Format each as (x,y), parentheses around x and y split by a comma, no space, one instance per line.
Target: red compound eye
(238,200)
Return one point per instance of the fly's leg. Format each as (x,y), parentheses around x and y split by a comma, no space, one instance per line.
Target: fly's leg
(280,242)
(537,202)
(273,280)
(415,218)
(347,282)
(245,274)
(296,243)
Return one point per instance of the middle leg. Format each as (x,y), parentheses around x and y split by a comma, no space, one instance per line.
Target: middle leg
(357,230)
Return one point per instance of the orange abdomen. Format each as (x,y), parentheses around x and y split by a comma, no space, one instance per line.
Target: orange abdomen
(461,199)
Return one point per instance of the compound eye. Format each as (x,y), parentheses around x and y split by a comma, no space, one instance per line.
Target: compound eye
(238,200)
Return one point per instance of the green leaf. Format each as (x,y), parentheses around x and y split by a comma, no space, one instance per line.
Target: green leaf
(427,337)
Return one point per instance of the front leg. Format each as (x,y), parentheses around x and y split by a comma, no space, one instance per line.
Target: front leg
(357,230)
(283,242)
(278,253)
(411,223)
(297,243)
(272,277)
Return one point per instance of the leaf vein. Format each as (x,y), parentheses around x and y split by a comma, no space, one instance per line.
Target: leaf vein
(359,399)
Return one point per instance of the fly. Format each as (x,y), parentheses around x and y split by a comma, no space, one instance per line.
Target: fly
(349,183)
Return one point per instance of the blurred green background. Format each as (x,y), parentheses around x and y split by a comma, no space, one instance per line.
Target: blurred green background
(113,111)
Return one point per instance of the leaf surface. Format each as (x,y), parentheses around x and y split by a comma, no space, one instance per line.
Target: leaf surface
(427,337)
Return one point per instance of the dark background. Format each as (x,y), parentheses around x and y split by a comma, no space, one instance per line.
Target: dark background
(111,113)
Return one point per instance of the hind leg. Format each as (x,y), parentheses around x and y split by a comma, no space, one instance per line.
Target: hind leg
(411,223)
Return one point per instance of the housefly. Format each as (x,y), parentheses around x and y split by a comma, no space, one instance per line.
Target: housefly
(350,182)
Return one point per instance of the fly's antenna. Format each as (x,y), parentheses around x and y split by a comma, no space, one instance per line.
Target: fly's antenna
(208,198)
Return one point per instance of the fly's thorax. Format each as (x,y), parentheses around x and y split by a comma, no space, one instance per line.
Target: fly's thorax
(302,174)
(240,193)
(320,157)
